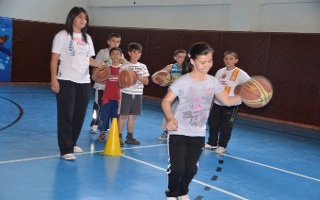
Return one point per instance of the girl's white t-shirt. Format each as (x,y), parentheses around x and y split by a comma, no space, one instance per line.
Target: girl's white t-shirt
(195,98)
(74,56)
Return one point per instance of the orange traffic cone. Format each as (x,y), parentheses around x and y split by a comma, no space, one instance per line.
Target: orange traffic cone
(113,144)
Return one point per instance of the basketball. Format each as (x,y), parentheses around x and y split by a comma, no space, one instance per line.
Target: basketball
(162,78)
(127,78)
(257,92)
(101,75)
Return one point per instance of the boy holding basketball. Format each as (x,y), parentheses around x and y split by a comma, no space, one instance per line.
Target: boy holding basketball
(131,97)
(111,95)
(103,55)
(176,71)
(221,117)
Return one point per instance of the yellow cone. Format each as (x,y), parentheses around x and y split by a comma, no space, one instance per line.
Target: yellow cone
(113,144)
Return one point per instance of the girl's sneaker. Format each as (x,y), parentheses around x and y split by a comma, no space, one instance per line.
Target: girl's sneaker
(164,136)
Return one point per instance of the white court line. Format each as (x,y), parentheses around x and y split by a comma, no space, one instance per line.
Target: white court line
(29,159)
(194,180)
(58,156)
(157,145)
(274,168)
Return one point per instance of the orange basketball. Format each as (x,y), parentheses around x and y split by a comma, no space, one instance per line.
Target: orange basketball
(127,78)
(101,75)
(162,78)
(257,92)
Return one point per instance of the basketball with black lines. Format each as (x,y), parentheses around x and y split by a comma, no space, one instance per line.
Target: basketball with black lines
(257,92)
(101,75)
(162,78)
(127,78)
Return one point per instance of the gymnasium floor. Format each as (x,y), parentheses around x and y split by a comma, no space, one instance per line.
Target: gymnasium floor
(264,160)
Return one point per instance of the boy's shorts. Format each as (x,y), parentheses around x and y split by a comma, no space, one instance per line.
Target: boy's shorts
(130,104)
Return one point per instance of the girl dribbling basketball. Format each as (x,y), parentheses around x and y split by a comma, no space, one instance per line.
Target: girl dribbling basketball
(187,125)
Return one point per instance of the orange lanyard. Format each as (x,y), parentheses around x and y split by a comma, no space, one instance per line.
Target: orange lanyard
(233,77)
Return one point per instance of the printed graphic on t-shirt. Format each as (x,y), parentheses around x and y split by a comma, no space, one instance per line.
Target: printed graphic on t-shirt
(139,71)
(113,78)
(197,110)
(223,80)
(78,46)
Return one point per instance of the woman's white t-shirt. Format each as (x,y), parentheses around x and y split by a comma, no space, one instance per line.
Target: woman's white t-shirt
(74,56)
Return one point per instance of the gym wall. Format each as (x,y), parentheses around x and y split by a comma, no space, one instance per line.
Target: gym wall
(289,60)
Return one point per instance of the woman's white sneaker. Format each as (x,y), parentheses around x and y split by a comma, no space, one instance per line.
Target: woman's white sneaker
(210,147)
(221,150)
(69,157)
(77,149)
(184,197)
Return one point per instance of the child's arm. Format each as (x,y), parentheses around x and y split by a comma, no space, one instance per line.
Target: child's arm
(143,80)
(172,123)
(228,100)
(96,63)
(167,68)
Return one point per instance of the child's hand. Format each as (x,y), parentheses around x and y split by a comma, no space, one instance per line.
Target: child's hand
(101,66)
(154,79)
(172,124)
(122,61)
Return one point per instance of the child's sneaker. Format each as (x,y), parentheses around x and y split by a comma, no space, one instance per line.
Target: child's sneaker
(184,197)
(69,157)
(132,141)
(171,198)
(221,150)
(163,136)
(210,147)
(77,149)
(94,129)
(102,137)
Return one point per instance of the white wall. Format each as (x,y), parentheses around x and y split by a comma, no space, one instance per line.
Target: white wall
(177,17)
(230,15)
(39,10)
(298,17)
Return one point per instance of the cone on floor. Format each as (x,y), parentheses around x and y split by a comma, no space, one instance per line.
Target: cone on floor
(113,144)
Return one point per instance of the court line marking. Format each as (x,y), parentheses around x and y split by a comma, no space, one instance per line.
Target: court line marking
(274,168)
(194,180)
(84,153)
(249,161)
(17,118)
(156,145)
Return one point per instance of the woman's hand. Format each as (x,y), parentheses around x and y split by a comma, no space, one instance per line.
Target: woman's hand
(55,86)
